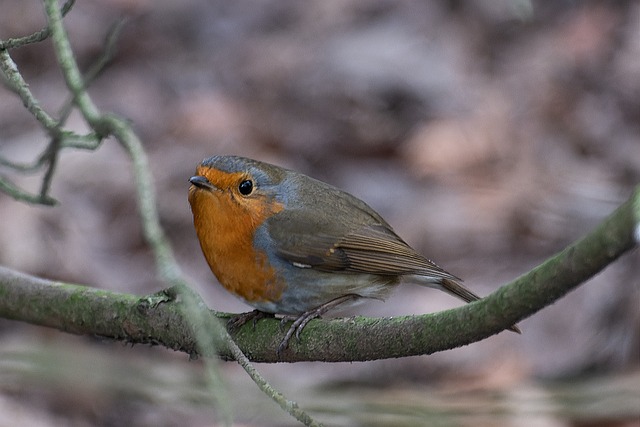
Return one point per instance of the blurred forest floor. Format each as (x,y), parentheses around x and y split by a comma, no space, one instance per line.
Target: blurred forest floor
(489,134)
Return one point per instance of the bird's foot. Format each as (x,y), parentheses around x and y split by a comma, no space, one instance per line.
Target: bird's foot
(236,322)
(302,320)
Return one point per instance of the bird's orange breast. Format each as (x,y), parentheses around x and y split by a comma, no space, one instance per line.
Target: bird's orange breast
(226,228)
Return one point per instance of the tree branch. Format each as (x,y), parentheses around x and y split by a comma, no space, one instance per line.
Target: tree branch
(159,319)
(58,137)
(36,37)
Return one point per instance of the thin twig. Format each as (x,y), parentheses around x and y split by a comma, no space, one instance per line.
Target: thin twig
(108,52)
(21,88)
(53,149)
(287,405)
(36,37)
(69,67)
(24,167)
(90,141)
(68,139)
(207,332)
(57,138)
(166,263)
(52,154)
(17,193)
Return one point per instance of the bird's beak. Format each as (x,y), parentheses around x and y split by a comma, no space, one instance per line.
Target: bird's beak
(202,182)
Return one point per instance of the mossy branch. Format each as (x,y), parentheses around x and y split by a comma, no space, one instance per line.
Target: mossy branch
(158,319)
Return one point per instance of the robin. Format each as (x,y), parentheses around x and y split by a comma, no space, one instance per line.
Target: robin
(291,245)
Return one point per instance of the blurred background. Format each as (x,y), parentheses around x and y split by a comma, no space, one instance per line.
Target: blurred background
(489,134)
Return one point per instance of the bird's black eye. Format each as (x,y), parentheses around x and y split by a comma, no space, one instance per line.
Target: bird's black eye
(245,187)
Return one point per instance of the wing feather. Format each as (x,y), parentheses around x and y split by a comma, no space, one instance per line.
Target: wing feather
(379,250)
(369,249)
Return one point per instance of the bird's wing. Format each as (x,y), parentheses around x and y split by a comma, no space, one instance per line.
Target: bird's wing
(371,249)
(378,250)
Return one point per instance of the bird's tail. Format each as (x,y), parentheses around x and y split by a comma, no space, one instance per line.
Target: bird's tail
(452,285)
(457,289)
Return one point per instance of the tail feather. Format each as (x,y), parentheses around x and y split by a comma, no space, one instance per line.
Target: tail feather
(457,289)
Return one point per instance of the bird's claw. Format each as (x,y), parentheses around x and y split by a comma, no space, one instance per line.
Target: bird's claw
(236,322)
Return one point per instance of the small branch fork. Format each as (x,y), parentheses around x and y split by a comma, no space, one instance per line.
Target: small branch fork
(59,138)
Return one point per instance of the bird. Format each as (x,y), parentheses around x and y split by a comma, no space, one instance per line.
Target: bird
(293,246)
